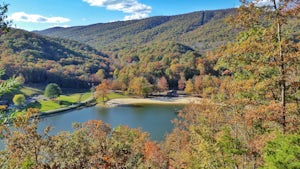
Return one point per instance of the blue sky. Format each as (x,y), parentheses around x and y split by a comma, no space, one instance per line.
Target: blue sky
(41,14)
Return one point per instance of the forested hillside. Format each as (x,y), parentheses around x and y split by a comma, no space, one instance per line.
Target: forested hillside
(42,60)
(153,61)
(156,47)
(248,115)
(126,34)
(172,47)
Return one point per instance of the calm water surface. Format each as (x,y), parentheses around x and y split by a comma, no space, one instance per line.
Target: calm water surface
(154,119)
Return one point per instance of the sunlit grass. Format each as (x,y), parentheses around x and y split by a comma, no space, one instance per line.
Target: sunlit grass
(75,98)
(60,102)
(49,105)
(29,91)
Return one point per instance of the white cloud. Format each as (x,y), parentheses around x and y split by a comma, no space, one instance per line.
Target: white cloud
(270,3)
(262,3)
(132,7)
(35,18)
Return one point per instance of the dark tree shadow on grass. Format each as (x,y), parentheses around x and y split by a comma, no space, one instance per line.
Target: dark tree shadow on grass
(64,102)
(34,105)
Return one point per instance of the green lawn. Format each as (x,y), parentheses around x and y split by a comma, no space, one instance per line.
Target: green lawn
(45,105)
(62,101)
(29,91)
(75,98)
(49,105)
(66,100)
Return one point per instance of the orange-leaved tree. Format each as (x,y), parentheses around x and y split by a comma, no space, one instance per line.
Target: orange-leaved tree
(103,89)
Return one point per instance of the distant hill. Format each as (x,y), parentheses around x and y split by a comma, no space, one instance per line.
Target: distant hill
(42,59)
(115,36)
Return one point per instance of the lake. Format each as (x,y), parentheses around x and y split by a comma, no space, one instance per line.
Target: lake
(154,119)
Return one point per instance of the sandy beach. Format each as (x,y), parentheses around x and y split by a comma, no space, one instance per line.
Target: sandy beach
(156,100)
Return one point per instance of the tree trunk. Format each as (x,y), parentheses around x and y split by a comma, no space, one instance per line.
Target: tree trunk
(282,69)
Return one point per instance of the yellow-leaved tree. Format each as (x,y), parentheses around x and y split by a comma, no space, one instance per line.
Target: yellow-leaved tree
(264,61)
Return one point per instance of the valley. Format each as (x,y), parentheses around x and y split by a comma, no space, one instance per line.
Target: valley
(205,89)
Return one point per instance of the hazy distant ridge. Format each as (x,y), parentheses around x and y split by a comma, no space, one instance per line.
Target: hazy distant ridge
(123,34)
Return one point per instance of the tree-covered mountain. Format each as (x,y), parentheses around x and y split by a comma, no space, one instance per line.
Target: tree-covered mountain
(42,59)
(115,36)
(158,47)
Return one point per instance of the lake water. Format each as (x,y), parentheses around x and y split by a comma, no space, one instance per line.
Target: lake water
(154,119)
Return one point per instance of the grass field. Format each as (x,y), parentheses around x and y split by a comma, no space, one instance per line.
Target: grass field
(29,91)
(69,97)
(60,102)
(75,98)
(49,105)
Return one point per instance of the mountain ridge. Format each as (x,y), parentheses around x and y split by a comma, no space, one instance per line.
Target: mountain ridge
(173,47)
(118,35)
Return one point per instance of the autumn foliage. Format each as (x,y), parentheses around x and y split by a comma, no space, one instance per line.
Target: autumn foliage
(92,145)
(249,115)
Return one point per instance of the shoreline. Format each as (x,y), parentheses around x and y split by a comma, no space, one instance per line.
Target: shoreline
(155,100)
(181,100)
(87,103)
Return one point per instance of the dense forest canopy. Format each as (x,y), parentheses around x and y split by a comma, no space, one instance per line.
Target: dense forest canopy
(250,111)
(42,60)
(72,64)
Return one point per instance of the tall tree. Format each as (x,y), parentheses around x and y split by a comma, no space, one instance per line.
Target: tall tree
(140,86)
(162,84)
(181,82)
(52,90)
(266,55)
(189,87)
(103,89)
(264,60)
(198,84)
(4,22)
(12,83)
(19,99)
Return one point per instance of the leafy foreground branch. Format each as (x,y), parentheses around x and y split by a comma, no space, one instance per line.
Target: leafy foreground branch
(92,145)
(205,136)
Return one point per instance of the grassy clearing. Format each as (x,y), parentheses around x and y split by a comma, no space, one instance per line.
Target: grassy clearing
(70,97)
(29,91)
(62,101)
(46,105)
(75,98)
(49,105)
